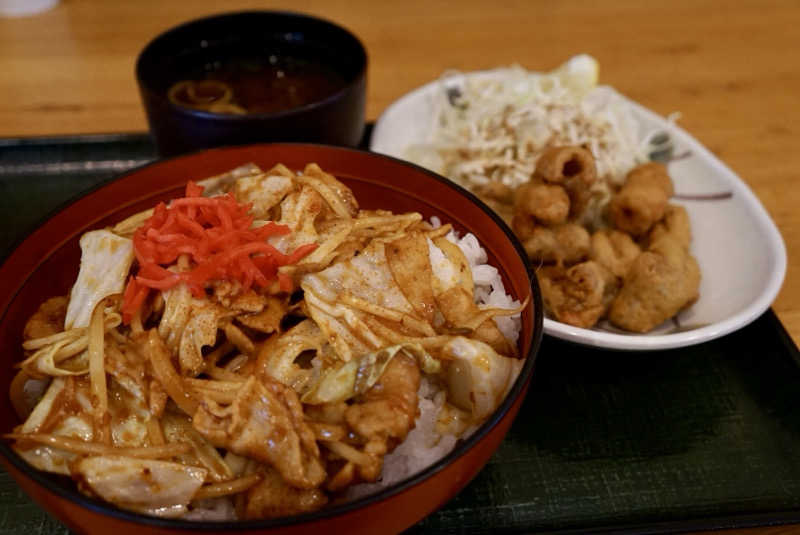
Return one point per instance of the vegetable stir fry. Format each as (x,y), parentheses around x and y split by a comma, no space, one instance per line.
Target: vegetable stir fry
(259,346)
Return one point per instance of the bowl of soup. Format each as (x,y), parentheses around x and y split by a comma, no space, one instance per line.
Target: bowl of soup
(253,76)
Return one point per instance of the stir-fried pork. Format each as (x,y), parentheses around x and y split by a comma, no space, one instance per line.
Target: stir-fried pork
(284,377)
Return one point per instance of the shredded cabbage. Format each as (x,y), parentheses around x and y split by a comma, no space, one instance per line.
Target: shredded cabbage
(105,261)
(492,127)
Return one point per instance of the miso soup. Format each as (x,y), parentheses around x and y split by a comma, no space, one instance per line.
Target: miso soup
(265,84)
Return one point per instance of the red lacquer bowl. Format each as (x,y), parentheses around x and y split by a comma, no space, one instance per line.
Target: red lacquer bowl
(46,264)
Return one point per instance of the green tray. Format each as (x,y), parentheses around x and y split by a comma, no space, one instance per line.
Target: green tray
(692,438)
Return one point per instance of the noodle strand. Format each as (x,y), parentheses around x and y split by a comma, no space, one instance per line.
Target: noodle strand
(226,488)
(97,374)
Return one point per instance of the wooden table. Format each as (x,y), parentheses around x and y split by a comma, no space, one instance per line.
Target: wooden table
(731,69)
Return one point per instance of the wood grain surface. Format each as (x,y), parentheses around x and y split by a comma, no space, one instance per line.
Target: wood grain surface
(731,69)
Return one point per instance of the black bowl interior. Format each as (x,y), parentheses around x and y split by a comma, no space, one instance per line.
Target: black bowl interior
(189,50)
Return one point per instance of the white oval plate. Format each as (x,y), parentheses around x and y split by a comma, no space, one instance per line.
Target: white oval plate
(741,254)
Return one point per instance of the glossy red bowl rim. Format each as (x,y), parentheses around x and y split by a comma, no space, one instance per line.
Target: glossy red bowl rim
(46,480)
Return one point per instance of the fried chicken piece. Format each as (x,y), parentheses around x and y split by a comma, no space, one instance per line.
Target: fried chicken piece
(575,169)
(650,174)
(642,201)
(574,242)
(676,224)
(561,164)
(495,191)
(47,320)
(567,243)
(615,250)
(272,497)
(545,208)
(659,283)
(523,226)
(579,295)
(541,245)
(546,203)
(265,422)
